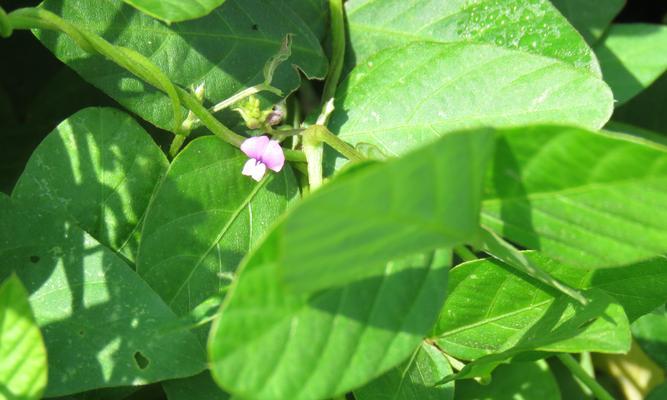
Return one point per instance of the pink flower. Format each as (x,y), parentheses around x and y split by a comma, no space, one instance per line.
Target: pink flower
(264,153)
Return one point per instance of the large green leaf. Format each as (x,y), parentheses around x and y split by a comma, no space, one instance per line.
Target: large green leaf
(204,217)
(416,379)
(313,12)
(22,352)
(273,343)
(590,17)
(584,198)
(406,96)
(352,227)
(103,326)
(515,381)
(226,50)
(198,387)
(176,10)
(98,168)
(490,308)
(533,26)
(632,57)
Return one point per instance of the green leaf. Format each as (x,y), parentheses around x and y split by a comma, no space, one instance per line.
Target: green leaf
(646,110)
(404,97)
(23,369)
(533,26)
(385,211)
(650,331)
(632,57)
(658,393)
(273,343)
(103,326)
(491,308)
(584,198)
(415,379)
(313,12)
(600,326)
(590,17)
(198,387)
(226,50)
(98,168)
(204,217)
(176,10)
(515,381)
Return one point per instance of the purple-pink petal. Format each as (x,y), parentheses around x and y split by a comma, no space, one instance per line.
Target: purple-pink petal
(273,156)
(255,147)
(255,169)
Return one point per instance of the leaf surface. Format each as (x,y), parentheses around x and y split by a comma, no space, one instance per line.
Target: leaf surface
(103,326)
(23,369)
(416,379)
(198,387)
(404,97)
(350,228)
(650,331)
(226,50)
(491,308)
(632,57)
(98,168)
(176,10)
(204,217)
(590,17)
(515,381)
(584,198)
(532,26)
(273,343)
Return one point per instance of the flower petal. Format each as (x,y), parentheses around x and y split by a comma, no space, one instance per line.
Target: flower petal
(273,156)
(255,169)
(255,146)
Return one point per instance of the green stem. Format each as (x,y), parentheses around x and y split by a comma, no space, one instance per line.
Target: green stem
(5,26)
(336,10)
(323,134)
(464,253)
(137,64)
(586,379)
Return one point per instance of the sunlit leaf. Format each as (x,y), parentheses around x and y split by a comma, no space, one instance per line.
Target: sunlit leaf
(103,326)
(99,168)
(404,97)
(22,352)
(533,26)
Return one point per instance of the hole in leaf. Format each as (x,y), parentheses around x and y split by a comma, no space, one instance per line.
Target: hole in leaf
(141,360)
(255,27)
(34,259)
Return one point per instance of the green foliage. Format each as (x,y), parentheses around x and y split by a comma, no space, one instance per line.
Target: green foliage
(354,333)
(632,56)
(186,269)
(416,379)
(406,96)
(23,368)
(86,297)
(533,26)
(190,53)
(590,17)
(176,10)
(438,219)
(98,168)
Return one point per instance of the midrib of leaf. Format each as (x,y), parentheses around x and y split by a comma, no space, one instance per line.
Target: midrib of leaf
(223,231)
(405,371)
(493,319)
